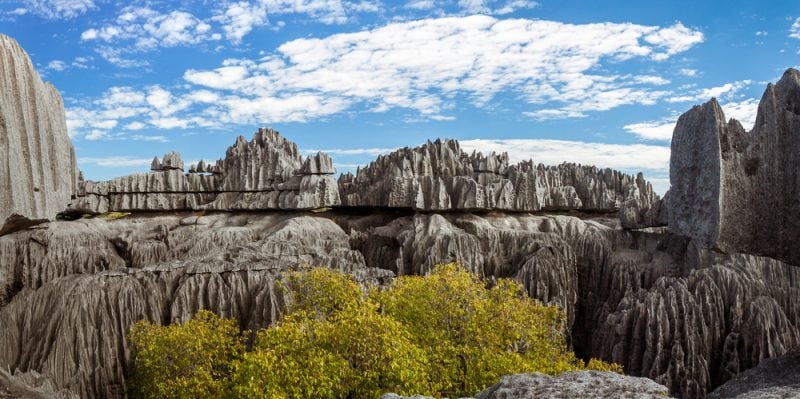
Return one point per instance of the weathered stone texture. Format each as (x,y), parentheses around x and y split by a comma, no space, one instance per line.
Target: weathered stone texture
(740,191)
(38,171)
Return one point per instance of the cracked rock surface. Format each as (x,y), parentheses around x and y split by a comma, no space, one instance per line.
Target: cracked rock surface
(38,170)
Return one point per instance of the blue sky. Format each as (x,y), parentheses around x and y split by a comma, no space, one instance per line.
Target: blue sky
(549,80)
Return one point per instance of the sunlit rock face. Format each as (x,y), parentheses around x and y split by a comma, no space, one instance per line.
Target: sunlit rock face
(38,172)
(264,173)
(735,190)
(439,176)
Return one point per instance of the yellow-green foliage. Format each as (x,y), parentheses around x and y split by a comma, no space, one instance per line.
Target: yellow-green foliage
(332,344)
(442,334)
(190,360)
(113,215)
(474,335)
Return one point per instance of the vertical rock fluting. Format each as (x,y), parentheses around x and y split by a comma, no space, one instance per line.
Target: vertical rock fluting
(38,170)
(659,304)
(72,327)
(440,176)
(739,191)
(265,173)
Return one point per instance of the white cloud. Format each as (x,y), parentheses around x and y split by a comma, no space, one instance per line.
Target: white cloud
(514,5)
(688,72)
(58,9)
(762,33)
(57,65)
(148,29)
(554,152)
(421,65)
(421,4)
(744,111)
(658,130)
(724,91)
(116,161)
(794,31)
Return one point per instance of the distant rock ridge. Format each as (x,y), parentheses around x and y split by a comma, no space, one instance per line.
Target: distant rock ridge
(739,191)
(38,169)
(439,176)
(267,172)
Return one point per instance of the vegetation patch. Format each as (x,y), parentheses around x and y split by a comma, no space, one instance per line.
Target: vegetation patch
(445,334)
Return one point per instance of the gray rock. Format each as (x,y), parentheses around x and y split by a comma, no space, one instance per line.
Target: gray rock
(172,161)
(738,191)
(439,176)
(574,384)
(78,287)
(777,378)
(38,172)
(30,385)
(264,173)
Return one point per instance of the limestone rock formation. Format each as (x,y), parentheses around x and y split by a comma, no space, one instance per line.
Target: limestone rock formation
(267,172)
(738,191)
(74,289)
(38,170)
(574,384)
(440,176)
(773,379)
(661,305)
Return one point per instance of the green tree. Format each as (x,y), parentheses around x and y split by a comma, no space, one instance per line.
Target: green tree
(474,335)
(190,360)
(332,344)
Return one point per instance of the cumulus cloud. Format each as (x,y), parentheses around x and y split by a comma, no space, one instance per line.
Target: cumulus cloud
(57,9)
(422,65)
(148,29)
(726,90)
(744,111)
(794,31)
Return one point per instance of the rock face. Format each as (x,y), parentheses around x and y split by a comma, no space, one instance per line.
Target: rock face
(74,289)
(38,172)
(659,304)
(267,172)
(574,384)
(738,191)
(773,379)
(439,176)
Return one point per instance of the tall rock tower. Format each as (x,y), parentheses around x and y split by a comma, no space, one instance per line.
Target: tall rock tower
(38,171)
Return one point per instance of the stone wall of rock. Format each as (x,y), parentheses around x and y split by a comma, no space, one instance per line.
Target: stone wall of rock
(735,190)
(267,172)
(69,321)
(38,171)
(659,304)
(439,176)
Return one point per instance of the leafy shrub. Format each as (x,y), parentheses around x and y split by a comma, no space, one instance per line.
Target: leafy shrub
(441,334)
(190,360)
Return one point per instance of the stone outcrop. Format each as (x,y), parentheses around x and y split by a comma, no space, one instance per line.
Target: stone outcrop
(572,384)
(267,172)
(74,289)
(735,190)
(773,379)
(661,305)
(38,170)
(439,176)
